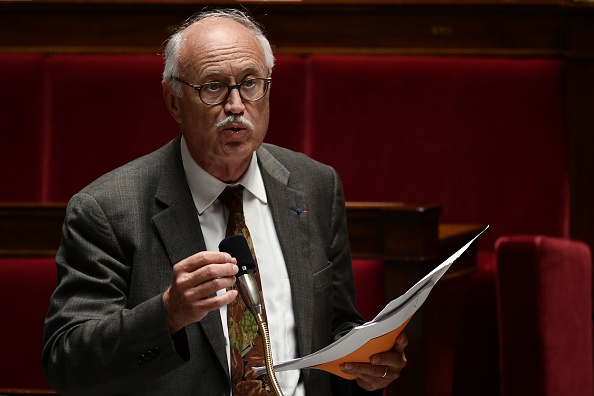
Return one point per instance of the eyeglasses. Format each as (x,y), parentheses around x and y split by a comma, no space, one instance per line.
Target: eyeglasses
(214,93)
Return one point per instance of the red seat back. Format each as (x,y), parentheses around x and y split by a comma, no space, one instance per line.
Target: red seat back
(544,299)
(22,126)
(288,103)
(484,138)
(105,110)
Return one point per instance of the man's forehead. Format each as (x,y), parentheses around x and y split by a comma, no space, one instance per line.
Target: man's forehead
(215,40)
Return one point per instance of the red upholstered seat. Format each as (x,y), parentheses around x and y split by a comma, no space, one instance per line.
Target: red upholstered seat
(26,285)
(105,110)
(369,283)
(544,299)
(22,126)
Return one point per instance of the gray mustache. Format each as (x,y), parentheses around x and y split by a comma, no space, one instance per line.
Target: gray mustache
(235,119)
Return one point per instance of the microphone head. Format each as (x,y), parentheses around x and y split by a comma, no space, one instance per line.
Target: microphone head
(237,246)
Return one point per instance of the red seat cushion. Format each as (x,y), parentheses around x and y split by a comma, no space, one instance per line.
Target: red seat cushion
(26,285)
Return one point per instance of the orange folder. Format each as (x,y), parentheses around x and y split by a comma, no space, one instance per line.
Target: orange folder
(363,355)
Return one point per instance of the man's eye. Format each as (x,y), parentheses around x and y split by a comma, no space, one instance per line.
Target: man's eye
(248,83)
(212,86)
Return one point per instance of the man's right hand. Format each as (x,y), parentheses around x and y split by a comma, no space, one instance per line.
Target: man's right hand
(195,279)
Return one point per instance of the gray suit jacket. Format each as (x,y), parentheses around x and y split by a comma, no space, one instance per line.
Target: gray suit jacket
(106,331)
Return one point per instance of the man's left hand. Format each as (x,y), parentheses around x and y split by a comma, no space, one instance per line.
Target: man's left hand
(383,368)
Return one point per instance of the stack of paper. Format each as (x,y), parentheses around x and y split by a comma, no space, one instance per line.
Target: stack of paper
(377,335)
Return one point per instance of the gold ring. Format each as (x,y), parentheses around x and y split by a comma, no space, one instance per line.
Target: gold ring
(385,371)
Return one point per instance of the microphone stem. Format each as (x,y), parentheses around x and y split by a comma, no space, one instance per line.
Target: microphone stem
(268,355)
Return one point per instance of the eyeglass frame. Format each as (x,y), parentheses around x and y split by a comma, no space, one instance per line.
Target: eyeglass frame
(198,88)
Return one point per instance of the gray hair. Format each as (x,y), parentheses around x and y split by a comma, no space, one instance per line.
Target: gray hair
(173,45)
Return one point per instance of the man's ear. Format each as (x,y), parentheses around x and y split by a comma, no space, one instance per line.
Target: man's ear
(171,101)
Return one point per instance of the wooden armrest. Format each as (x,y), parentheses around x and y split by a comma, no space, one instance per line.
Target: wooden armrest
(30,229)
(24,391)
(392,230)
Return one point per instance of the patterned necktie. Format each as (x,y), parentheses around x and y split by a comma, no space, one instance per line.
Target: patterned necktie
(246,344)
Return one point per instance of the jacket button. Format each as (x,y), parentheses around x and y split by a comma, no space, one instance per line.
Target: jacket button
(155,351)
(142,358)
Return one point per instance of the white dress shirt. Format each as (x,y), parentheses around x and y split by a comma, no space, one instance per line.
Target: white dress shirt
(276,289)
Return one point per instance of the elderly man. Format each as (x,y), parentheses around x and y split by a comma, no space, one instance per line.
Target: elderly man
(143,297)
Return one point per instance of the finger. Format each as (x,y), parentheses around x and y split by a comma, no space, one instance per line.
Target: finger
(401,342)
(201,259)
(215,302)
(209,287)
(394,361)
(366,371)
(394,357)
(369,377)
(181,312)
(213,272)
(207,273)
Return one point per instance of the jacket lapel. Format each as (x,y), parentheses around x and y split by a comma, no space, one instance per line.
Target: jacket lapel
(180,231)
(293,232)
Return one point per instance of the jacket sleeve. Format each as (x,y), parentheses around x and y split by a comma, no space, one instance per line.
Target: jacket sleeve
(94,343)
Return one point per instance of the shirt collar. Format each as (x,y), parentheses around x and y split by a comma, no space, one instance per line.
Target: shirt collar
(206,188)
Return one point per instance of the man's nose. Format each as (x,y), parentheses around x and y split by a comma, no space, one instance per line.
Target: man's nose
(234,103)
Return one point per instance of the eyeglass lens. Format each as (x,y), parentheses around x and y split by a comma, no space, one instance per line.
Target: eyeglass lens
(217,92)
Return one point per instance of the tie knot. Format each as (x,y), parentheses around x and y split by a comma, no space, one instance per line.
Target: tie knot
(232,197)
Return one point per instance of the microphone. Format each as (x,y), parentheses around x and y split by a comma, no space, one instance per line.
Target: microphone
(237,246)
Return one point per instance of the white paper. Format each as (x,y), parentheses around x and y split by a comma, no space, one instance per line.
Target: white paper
(394,315)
